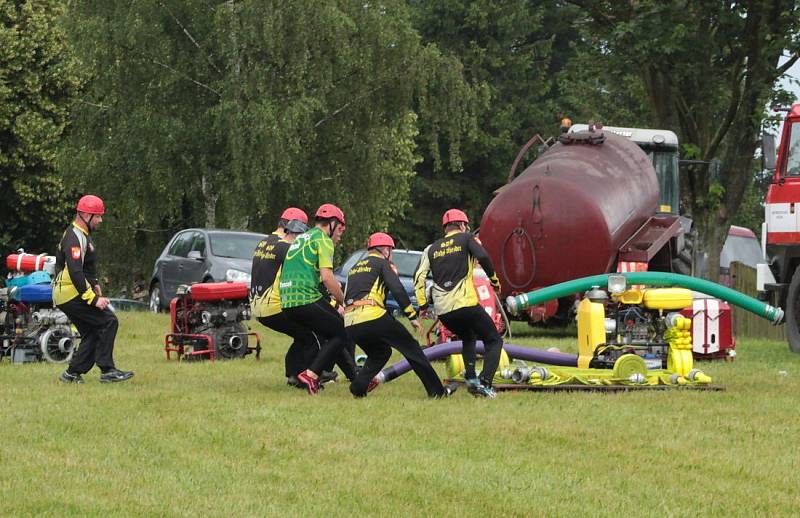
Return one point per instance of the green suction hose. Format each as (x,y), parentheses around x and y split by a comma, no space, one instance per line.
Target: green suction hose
(517,303)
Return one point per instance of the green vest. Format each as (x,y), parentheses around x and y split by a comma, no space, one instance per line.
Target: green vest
(300,275)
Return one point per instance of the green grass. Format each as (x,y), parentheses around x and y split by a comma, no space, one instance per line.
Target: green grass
(231,439)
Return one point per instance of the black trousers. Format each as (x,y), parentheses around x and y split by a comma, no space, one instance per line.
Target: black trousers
(98,329)
(325,322)
(376,338)
(471,323)
(304,346)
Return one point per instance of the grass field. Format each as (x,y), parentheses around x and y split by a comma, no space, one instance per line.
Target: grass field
(231,439)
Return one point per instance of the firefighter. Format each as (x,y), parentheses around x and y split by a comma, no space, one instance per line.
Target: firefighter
(450,260)
(265,300)
(76,292)
(371,327)
(309,262)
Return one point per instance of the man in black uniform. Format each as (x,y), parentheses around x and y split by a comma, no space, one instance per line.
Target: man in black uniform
(265,298)
(77,293)
(455,301)
(371,327)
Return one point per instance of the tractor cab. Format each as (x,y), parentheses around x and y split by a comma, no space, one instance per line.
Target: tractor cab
(661,147)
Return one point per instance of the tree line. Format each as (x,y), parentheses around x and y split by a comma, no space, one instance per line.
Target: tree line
(221,113)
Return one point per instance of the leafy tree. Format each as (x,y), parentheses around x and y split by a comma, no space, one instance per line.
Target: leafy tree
(39,82)
(505,48)
(708,69)
(222,114)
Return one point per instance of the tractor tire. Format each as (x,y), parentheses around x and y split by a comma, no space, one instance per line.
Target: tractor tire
(682,262)
(793,313)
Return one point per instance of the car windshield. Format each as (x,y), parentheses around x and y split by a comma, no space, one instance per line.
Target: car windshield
(405,262)
(234,245)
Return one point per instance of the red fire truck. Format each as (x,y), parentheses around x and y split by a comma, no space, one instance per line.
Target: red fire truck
(781,231)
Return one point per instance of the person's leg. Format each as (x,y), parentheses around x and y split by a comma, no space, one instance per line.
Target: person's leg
(326,323)
(302,340)
(84,356)
(346,359)
(460,323)
(104,353)
(492,343)
(398,336)
(378,353)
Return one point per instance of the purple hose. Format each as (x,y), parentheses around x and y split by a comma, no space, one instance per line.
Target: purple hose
(513,351)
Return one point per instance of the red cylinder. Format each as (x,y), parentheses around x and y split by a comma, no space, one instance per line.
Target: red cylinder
(568,213)
(28,262)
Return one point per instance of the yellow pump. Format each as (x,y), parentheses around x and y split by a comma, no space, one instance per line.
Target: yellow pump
(591,330)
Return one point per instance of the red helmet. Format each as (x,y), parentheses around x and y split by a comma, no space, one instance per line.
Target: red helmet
(380,239)
(91,204)
(295,213)
(454,216)
(328,210)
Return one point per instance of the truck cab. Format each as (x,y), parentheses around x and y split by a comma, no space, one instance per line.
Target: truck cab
(781,230)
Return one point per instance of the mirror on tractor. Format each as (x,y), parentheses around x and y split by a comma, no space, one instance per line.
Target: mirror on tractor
(768,151)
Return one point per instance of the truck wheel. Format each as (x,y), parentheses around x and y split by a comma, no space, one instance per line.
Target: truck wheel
(793,313)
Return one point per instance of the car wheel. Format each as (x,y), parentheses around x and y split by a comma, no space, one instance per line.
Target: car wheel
(155,298)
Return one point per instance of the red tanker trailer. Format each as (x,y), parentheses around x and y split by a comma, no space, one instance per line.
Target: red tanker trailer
(587,205)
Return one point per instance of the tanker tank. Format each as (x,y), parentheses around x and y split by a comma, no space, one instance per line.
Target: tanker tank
(568,213)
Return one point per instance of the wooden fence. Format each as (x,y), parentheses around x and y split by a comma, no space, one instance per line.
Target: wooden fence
(743,279)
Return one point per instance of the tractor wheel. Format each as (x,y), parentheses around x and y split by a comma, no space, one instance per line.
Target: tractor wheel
(793,313)
(682,262)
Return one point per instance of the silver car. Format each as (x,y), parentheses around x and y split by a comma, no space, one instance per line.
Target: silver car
(201,255)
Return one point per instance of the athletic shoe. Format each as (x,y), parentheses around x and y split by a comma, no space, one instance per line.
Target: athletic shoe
(115,375)
(478,389)
(328,377)
(294,382)
(372,385)
(310,383)
(450,389)
(68,377)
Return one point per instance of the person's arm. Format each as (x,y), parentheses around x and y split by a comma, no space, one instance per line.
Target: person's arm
(480,253)
(325,250)
(392,282)
(330,282)
(419,279)
(74,255)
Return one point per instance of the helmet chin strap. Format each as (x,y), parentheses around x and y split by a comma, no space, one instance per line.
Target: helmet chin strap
(332,227)
(85,222)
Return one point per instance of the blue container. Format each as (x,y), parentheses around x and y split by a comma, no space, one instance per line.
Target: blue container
(35,294)
(33,278)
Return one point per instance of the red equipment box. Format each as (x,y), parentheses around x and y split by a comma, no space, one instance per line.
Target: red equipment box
(219,291)
(712,329)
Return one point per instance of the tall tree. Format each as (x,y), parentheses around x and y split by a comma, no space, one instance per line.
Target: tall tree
(39,83)
(708,69)
(223,113)
(505,48)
